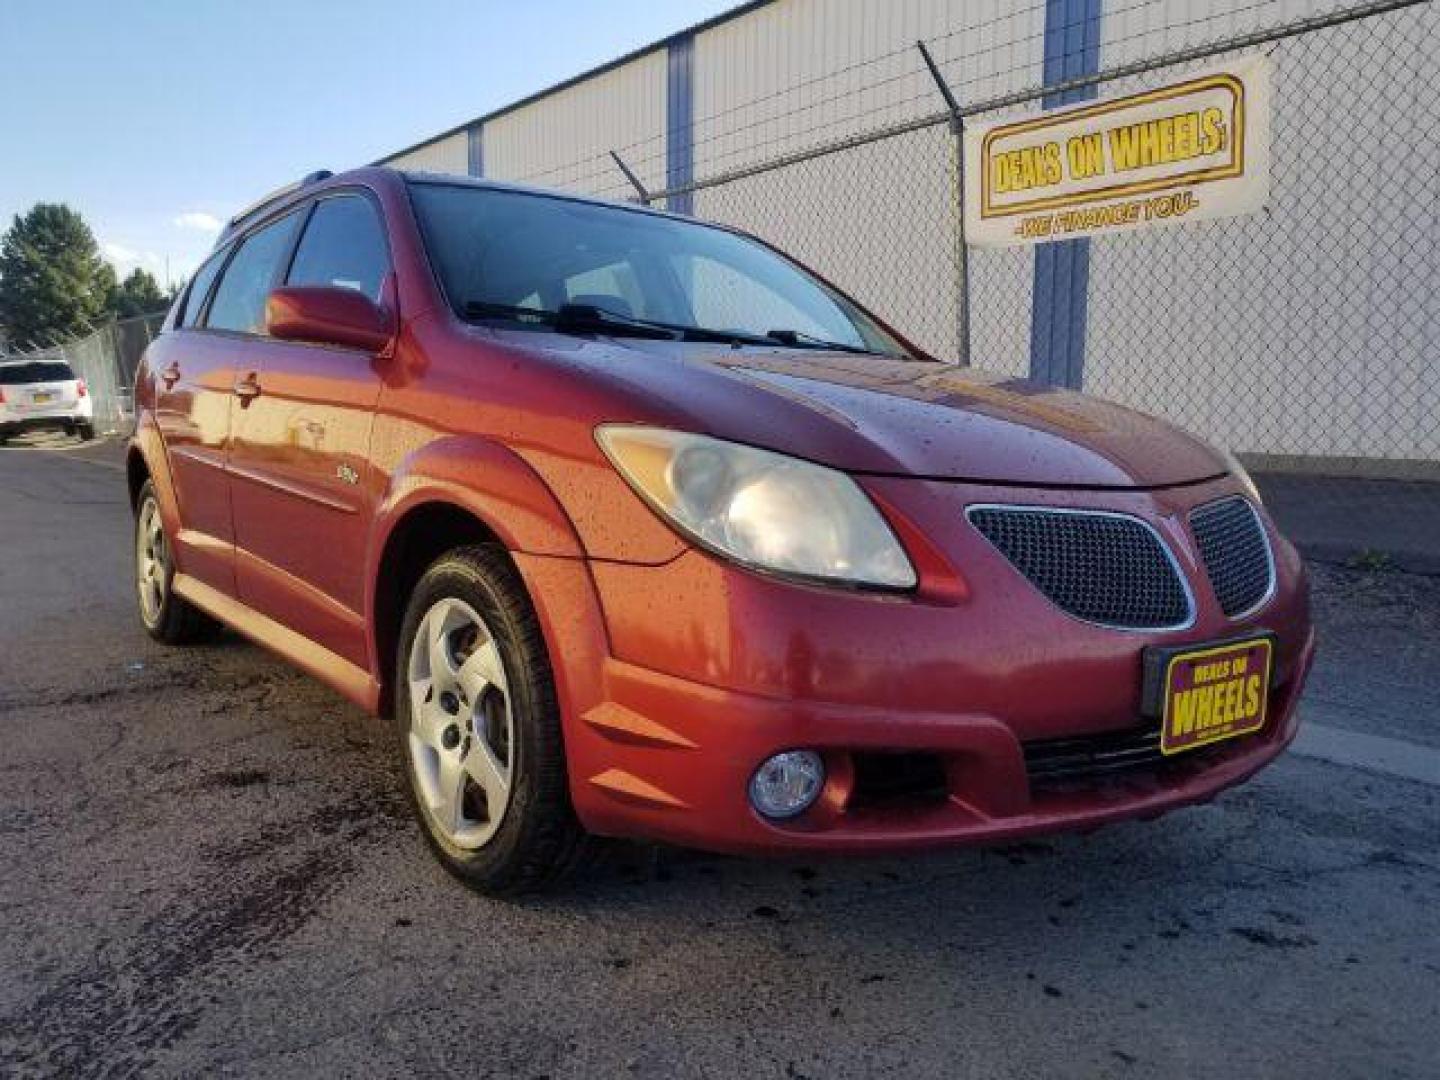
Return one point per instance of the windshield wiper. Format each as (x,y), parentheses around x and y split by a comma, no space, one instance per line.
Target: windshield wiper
(570,319)
(798,339)
(589,319)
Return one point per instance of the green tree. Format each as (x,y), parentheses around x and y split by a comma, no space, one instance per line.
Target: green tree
(52,278)
(138,294)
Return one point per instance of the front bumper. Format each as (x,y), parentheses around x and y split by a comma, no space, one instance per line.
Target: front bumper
(693,793)
(678,680)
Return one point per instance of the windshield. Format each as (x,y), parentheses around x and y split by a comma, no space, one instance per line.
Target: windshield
(36,371)
(497,251)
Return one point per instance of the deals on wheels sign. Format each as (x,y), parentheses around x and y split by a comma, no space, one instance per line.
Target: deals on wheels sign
(1195,149)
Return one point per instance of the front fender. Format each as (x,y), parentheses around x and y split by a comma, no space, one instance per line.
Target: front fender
(481,478)
(487,480)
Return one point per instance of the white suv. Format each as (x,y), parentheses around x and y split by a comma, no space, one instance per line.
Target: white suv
(44,394)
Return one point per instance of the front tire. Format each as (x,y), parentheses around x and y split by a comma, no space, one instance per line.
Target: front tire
(166,617)
(478,727)
(86,431)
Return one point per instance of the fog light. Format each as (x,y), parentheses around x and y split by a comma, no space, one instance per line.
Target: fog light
(786,784)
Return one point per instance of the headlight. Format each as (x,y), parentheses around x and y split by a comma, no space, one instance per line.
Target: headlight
(761,509)
(1233,466)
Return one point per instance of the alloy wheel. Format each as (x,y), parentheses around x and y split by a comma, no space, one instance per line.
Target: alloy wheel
(461,737)
(152,563)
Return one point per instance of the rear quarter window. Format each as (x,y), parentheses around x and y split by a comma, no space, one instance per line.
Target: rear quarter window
(200,289)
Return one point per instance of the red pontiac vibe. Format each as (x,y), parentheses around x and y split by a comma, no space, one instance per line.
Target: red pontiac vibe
(638,528)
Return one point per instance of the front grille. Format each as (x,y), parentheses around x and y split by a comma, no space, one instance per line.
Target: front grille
(1105,568)
(1235,553)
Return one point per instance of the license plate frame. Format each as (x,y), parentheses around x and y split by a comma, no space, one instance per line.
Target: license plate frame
(1205,692)
(43,397)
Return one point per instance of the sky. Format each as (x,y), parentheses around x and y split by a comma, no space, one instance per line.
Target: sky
(158,119)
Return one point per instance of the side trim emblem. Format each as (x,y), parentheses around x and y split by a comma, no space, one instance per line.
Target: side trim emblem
(344,472)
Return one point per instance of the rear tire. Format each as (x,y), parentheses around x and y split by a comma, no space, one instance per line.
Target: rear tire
(478,727)
(85,431)
(166,617)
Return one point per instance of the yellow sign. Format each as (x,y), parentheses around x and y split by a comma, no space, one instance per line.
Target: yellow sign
(1215,693)
(1196,149)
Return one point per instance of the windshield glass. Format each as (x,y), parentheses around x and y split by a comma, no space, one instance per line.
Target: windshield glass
(498,250)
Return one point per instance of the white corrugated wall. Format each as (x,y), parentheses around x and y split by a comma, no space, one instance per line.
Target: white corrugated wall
(446,155)
(879,220)
(1294,332)
(563,139)
(801,72)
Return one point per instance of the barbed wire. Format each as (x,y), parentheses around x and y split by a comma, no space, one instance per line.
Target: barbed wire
(591,169)
(1217,47)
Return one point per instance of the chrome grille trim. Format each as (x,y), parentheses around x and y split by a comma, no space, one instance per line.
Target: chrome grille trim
(1220,575)
(1115,757)
(1091,757)
(1178,574)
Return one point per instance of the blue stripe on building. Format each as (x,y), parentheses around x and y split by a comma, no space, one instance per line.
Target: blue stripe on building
(679,121)
(1062,268)
(475,149)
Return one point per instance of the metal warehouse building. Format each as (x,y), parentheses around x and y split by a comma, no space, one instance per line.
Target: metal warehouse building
(1305,334)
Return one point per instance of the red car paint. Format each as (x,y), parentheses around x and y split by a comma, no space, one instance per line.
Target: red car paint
(286,471)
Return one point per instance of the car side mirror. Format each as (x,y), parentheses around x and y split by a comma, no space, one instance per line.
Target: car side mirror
(328,315)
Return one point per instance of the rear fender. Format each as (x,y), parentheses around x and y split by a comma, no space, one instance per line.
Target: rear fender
(147,449)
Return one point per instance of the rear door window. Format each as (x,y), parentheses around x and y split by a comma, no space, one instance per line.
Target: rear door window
(343,247)
(239,302)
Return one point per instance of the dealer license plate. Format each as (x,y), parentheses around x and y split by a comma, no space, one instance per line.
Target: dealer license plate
(42,399)
(1215,692)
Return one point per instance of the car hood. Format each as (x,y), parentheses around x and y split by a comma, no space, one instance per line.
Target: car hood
(869,414)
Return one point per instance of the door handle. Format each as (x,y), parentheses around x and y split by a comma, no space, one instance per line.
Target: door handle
(247,389)
(171,375)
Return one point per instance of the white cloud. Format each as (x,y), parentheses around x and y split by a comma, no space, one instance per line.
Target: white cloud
(199,221)
(126,259)
(126,256)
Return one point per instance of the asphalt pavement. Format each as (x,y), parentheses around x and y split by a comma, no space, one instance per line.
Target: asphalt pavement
(207,868)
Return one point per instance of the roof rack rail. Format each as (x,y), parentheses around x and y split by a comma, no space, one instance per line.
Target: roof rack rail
(265,200)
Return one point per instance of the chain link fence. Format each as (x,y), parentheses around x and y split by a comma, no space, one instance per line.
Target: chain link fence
(1305,338)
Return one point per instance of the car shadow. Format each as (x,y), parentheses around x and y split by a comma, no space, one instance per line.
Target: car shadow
(651,882)
(47,440)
